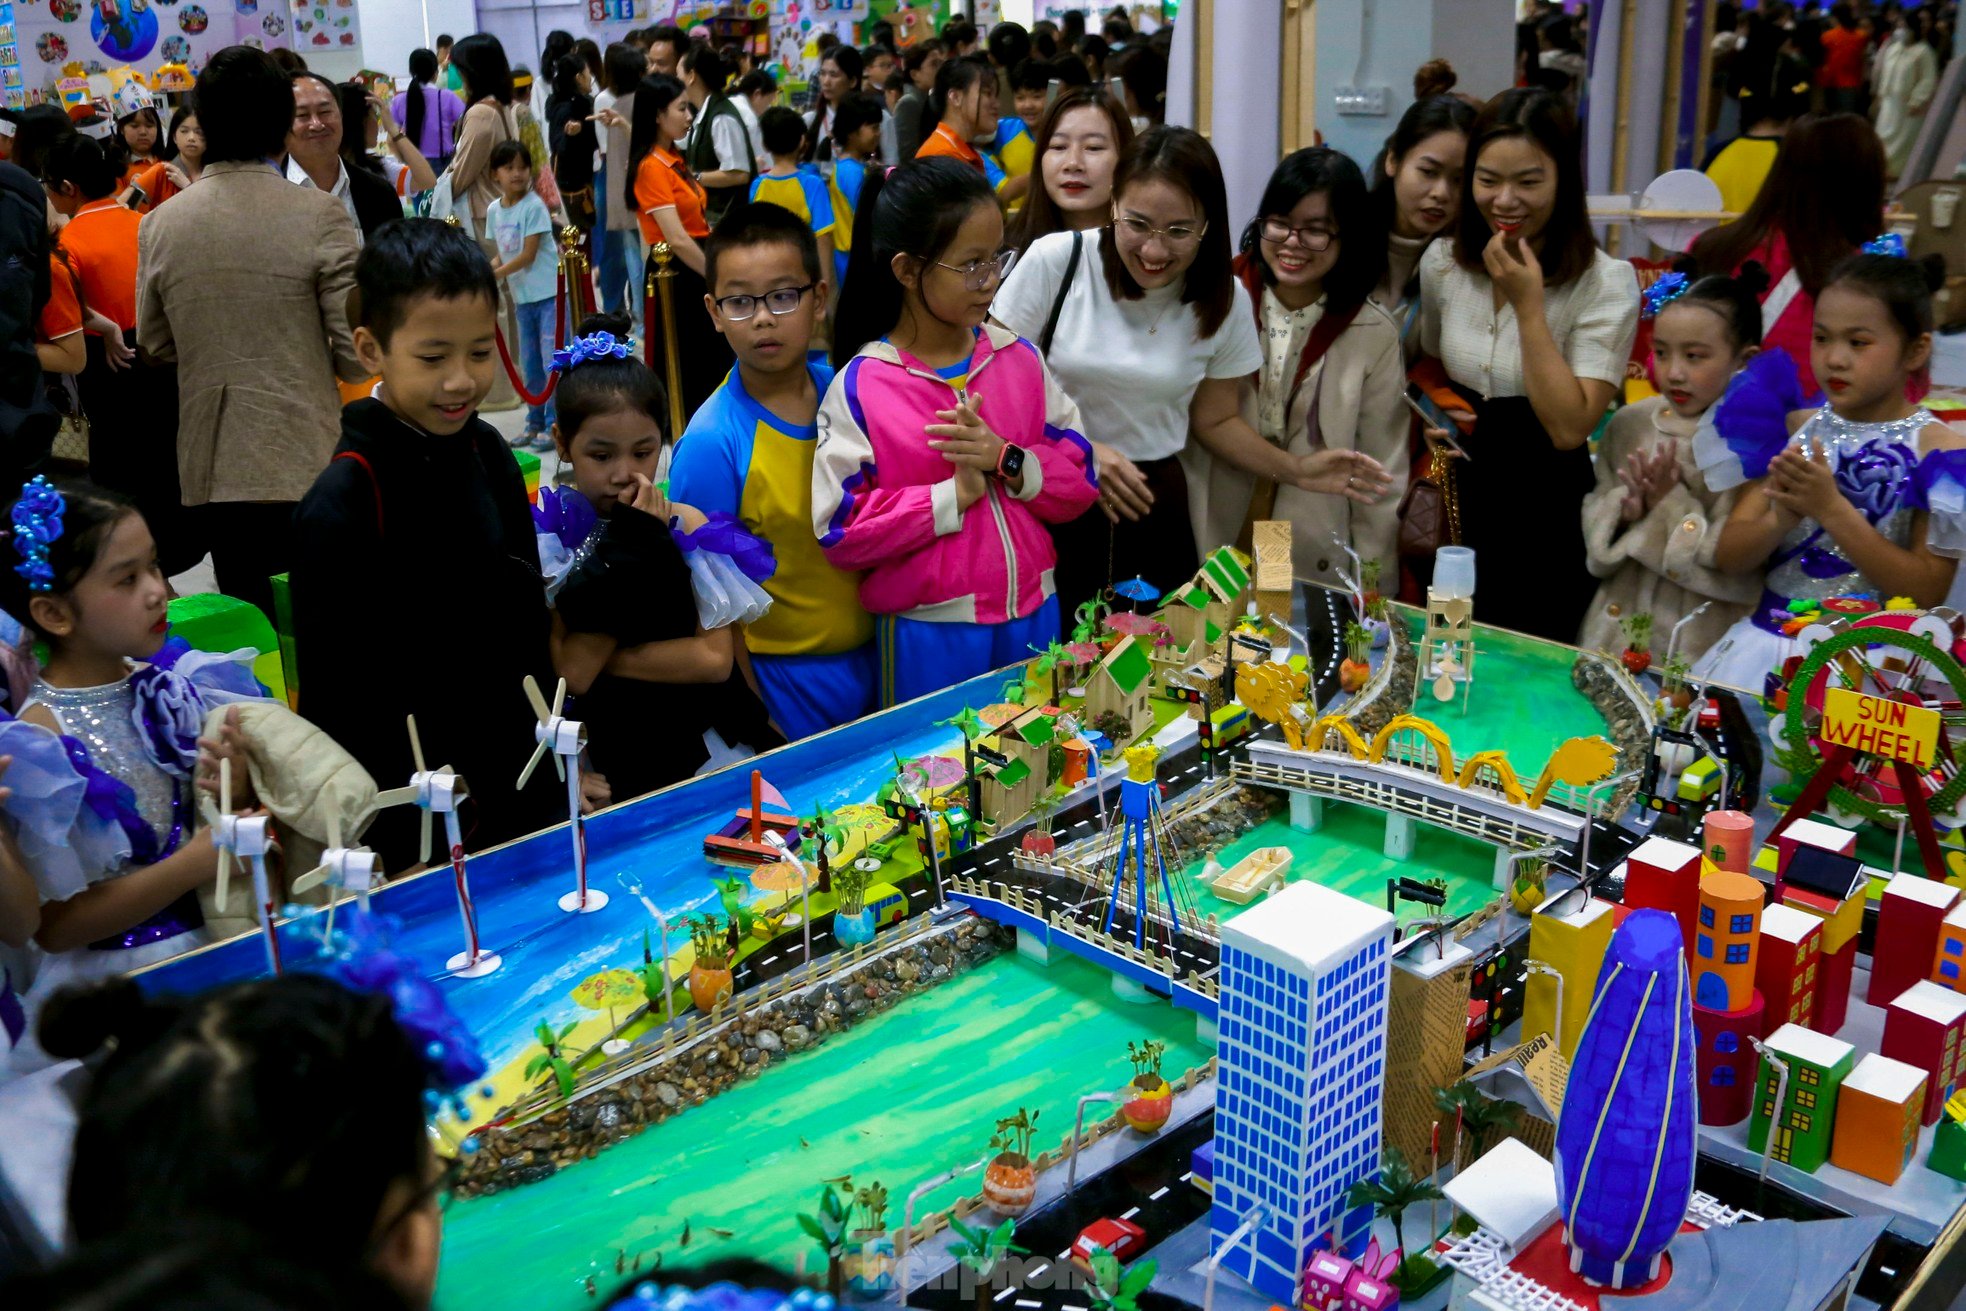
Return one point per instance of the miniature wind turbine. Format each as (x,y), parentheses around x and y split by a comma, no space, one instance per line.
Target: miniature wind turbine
(438,792)
(243,838)
(350,869)
(564,739)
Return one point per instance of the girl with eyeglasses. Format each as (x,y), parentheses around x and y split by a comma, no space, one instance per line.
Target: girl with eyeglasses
(945,447)
(1332,368)
(1149,333)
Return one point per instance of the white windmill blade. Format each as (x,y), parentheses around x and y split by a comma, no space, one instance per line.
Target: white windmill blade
(334,819)
(393,797)
(538,700)
(416,745)
(222,893)
(225,784)
(312,879)
(559,698)
(424,849)
(539,753)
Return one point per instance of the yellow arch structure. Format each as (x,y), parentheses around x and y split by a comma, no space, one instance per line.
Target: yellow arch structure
(1504,773)
(1443,749)
(1343,727)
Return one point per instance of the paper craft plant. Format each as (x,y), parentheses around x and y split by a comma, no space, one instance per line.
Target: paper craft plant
(828,1229)
(981,1250)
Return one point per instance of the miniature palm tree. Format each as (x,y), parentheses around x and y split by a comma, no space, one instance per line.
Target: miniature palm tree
(828,1229)
(1114,1289)
(1393,1191)
(1479,1115)
(550,1060)
(982,1250)
(730,891)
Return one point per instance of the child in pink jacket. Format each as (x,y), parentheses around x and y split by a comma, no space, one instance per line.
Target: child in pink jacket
(944,445)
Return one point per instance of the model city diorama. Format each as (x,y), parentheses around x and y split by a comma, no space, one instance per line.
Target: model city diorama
(1233,956)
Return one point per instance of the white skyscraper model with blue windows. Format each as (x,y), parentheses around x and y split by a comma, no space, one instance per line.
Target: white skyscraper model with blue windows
(1299,1080)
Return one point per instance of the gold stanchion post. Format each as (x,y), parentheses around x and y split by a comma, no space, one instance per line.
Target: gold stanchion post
(659,278)
(573,263)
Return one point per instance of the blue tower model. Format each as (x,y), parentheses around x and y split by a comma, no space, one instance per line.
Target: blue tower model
(1625,1138)
(1140,844)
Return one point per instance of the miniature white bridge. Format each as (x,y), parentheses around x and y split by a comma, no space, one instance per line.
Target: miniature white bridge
(1408,784)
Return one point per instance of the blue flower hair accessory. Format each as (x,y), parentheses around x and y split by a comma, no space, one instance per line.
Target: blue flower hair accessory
(1669,288)
(722,1296)
(1889,244)
(37,526)
(594,346)
(357,954)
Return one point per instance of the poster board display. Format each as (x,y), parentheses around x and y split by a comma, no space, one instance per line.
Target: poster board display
(146,34)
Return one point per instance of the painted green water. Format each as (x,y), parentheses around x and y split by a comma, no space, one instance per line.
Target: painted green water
(1345,854)
(898,1099)
(1521,703)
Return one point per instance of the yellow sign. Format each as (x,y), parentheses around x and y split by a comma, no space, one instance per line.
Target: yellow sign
(1877,727)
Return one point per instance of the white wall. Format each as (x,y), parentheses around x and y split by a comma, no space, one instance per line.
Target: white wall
(1395,38)
(393,28)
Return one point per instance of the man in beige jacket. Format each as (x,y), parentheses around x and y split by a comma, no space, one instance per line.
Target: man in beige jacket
(243,281)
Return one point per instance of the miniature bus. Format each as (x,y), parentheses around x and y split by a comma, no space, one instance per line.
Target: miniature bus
(1231,722)
(889,904)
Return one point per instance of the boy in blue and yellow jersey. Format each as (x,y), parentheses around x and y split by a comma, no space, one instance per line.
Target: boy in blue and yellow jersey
(797,189)
(856,148)
(1017,133)
(748,452)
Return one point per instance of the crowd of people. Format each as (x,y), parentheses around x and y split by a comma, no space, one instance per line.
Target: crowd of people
(962,346)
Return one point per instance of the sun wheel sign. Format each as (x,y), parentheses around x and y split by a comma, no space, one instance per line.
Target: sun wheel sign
(1876,705)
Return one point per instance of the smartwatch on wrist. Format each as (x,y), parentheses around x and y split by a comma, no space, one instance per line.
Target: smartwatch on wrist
(1010,462)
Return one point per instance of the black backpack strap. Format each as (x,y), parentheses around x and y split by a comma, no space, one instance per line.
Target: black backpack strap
(1058,304)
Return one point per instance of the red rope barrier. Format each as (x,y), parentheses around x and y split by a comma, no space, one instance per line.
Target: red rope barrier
(559,341)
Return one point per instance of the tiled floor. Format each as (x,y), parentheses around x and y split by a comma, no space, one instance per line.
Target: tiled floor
(510,423)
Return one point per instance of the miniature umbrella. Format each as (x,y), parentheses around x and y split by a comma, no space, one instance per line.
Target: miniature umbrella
(1137,589)
(604,992)
(1131,624)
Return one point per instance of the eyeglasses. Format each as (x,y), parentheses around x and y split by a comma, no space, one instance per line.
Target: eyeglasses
(1177,236)
(980,273)
(782,300)
(1311,239)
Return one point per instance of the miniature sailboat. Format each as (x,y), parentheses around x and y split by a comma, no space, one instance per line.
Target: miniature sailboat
(741,843)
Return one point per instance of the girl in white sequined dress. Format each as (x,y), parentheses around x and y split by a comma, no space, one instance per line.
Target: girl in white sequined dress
(104,755)
(1868,496)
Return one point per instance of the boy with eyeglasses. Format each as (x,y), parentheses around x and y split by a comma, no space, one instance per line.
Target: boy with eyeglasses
(748,453)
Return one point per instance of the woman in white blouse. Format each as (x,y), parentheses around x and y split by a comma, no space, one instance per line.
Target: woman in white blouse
(1534,325)
(1149,333)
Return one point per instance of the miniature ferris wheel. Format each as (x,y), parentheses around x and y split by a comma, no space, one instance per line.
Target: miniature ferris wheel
(1876,718)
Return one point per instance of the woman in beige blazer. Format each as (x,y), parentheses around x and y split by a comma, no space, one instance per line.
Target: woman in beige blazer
(1333,370)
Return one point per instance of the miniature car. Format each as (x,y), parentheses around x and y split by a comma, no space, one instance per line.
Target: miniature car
(1124,1239)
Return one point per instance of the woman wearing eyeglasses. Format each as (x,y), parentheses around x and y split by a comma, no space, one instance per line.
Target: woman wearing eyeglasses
(1333,368)
(1148,332)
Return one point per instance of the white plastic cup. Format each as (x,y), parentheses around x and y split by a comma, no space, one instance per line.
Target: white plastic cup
(1454,572)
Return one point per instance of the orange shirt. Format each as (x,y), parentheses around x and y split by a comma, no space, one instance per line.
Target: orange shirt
(62,315)
(663,180)
(101,245)
(156,186)
(944,142)
(1844,49)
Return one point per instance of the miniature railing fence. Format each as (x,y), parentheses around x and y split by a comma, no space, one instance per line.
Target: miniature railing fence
(677,1039)
(963,1207)
(1384,794)
(1030,903)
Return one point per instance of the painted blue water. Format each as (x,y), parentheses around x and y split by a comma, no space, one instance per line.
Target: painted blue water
(658,839)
